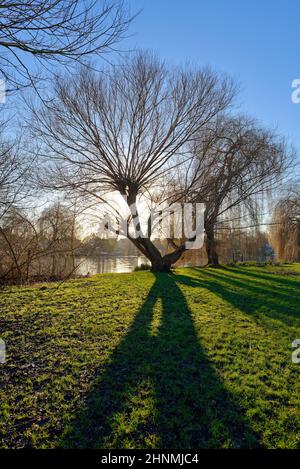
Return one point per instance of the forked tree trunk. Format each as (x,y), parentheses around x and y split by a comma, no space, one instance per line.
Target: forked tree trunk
(160,265)
(164,263)
(158,262)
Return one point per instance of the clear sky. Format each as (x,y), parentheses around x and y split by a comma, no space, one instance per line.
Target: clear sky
(255,41)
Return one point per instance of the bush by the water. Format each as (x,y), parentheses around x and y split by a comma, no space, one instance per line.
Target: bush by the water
(142,267)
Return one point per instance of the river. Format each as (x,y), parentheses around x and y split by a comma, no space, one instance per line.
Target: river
(107,264)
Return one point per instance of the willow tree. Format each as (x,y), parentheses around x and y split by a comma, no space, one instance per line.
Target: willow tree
(127,128)
(238,163)
(285,230)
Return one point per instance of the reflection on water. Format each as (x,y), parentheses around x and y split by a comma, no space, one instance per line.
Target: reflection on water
(105,264)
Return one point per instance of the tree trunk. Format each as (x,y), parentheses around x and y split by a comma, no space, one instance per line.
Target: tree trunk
(158,262)
(164,263)
(211,248)
(160,265)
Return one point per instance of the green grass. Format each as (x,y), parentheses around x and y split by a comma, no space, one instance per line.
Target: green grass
(198,358)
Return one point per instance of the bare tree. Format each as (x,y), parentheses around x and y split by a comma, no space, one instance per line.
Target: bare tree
(126,128)
(285,230)
(15,164)
(38,247)
(57,240)
(38,35)
(9,175)
(17,241)
(237,161)
(15,198)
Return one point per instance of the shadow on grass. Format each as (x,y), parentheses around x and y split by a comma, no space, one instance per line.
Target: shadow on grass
(253,292)
(159,389)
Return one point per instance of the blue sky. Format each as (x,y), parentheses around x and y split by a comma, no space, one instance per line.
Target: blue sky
(256,42)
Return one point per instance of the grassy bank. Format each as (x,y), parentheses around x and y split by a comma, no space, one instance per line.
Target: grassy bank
(197,358)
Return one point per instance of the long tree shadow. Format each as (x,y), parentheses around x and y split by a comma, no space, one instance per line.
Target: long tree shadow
(255,293)
(159,388)
(284,278)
